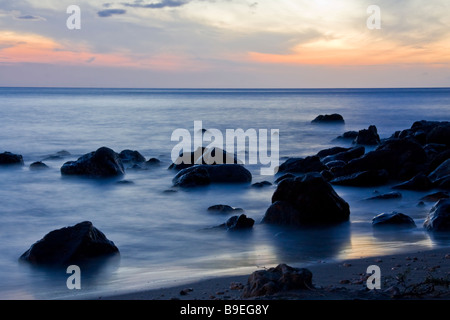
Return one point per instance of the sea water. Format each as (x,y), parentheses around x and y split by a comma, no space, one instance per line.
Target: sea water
(167,238)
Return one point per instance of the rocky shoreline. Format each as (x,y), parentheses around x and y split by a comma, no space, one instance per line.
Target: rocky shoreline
(417,158)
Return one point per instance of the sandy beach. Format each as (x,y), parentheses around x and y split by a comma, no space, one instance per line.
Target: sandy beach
(423,275)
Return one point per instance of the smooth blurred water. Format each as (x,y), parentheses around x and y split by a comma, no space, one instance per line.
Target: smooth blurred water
(166,238)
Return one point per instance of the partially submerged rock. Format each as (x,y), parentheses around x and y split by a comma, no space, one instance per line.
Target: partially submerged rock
(302,165)
(273,280)
(394,218)
(38,165)
(201,175)
(102,163)
(131,157)
(368,136)
(224,208)
(70,245)
(8,158)
(438,219)
(240,222)
(329,118)
(306,200)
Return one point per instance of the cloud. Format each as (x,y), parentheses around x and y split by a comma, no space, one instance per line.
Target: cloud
(29,17)
(157,5)
(110,12)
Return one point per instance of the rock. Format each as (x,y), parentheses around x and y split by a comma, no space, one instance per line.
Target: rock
(331,151)
(327,175)
(443,183)
(393,219)
(336,164)
(273,280)
(153,162)
(102,163)
(349,135)
(70,245)
(440,134)
(131,157)
(329,118)
(434,197)
(302,165)
(306,200)
(210,156)
(8,158)
(57,156)
(345,156)
(363,179)
(386,196)
(261,184)
(441,172)
(239,223)
(201,175)
(284,176)
(224,209)
(438,219)
(38,166)
(401,158)
(420,182)
(192,177)
(437,159)
(368,136)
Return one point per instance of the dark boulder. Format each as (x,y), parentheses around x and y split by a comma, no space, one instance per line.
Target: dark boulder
(363,179)
(102,163)
(153,162)
(368,137)
(280,278)
(331,151)
(131,157)
(440,134)
(336,164)
(437,159)
(401,158)
(348,135)
(302,165)
(70,245)
(434,197)
(420,182)
(8,158)
(209,156)
(224,209)
(241,222)
(329,118)
(394,218)
(38,166)
(441,172)
(201,175)
(346,155)
(261,184)
(192,177)
(386,196)
(438,219)
(284,176)
(306,200)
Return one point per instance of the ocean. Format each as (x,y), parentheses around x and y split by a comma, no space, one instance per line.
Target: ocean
(166,238)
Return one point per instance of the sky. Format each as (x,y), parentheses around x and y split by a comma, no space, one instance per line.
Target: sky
(225,43)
